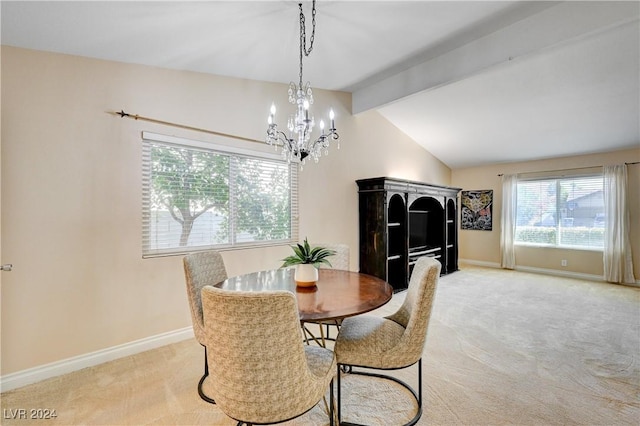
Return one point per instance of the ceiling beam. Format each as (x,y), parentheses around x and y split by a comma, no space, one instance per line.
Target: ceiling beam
(566,22)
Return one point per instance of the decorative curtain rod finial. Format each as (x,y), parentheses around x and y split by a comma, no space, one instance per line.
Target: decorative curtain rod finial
(123,114)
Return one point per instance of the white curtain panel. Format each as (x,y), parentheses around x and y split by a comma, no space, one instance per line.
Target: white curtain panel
(508,221)
(618,264)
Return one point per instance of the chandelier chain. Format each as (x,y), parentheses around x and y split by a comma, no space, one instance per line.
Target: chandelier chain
(303,34)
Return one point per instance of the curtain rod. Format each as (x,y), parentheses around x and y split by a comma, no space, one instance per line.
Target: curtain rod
(123,114)
(574,168)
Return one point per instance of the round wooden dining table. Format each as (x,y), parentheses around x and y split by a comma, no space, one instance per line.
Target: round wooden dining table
(338,294)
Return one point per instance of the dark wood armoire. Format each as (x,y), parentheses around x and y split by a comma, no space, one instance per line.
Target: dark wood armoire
(401,221)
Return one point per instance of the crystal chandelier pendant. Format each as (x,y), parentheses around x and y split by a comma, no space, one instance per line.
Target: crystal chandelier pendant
(298,144)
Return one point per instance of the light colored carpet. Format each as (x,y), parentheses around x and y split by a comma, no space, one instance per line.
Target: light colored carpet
(503,348)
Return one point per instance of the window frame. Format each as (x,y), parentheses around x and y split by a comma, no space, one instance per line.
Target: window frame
(557,178)
(149,138)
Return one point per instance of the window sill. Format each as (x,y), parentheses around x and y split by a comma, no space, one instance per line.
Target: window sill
(220,248)
(560,247)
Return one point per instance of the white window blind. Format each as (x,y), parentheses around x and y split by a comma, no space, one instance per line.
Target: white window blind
(564,211)
(198,196)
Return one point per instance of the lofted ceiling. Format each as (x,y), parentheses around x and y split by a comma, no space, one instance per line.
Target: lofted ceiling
(474,82)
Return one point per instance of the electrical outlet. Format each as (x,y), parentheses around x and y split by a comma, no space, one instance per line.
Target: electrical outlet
(563,262)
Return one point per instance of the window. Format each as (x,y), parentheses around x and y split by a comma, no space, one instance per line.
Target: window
(198,196)
(567,211)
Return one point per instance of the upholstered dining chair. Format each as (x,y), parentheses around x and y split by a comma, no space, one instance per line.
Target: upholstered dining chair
(200,269)
(264,372)
(394,342)
(340,260)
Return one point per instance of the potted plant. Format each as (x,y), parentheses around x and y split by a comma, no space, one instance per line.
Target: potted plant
(307,260)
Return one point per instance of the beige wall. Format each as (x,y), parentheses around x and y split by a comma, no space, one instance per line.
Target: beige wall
(71,194)
(484,246)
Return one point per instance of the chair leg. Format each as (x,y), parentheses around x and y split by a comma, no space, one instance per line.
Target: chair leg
(206,374)
(331,406)
(339,400)
(417,396)
(336,325)
(420,386)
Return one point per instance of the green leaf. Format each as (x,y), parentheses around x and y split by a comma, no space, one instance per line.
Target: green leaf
(303,253)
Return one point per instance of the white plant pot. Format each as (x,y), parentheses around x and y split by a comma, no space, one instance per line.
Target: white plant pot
(306,275)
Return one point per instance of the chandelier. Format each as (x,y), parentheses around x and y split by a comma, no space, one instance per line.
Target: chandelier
(297,144)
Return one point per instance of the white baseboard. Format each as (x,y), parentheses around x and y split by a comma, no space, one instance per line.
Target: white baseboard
(534,270)
(554,272)
(558,273)
(36,374)
(480,263)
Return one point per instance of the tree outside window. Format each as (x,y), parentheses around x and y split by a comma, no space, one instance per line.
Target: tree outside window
(196,198)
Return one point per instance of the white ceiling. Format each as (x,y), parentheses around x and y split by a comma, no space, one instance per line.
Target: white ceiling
(474,82)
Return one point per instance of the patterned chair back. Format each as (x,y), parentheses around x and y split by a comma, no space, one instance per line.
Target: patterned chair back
(338,261)
(262,372)
(200,269)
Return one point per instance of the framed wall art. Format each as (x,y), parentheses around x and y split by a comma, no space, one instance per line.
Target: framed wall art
(476,212)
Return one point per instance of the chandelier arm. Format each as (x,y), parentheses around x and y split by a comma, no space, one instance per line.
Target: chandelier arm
(274,136)
(282,138)
(332,134)
(289,141)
